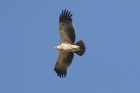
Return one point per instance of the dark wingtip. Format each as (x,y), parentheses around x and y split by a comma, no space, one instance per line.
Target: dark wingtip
(61,74)
(65,15)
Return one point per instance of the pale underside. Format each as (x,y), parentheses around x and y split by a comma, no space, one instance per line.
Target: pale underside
(66,47)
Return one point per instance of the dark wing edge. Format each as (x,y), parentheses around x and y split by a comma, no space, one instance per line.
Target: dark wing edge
(65,62)
(66,19)
(65,15)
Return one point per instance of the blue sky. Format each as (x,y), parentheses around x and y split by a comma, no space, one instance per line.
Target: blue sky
(110,29)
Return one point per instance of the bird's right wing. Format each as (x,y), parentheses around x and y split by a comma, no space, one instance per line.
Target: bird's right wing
(63,63)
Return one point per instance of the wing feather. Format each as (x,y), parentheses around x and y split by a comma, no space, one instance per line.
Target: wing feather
(63,63)
(67,31)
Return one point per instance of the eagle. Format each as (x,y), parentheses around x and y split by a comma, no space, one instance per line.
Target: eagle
(67,46)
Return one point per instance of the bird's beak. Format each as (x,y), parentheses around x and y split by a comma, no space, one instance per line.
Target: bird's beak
(54,47)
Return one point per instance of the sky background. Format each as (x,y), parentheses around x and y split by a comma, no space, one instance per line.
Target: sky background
(29,30)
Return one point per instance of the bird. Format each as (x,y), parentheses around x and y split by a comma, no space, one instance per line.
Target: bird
(67,45)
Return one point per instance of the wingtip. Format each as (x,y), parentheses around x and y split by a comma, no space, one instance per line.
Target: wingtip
(65,14)
(61,74)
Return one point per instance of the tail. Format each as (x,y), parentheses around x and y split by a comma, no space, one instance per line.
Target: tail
(82,48)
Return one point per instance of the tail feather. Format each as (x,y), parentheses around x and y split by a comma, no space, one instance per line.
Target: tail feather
(82,48)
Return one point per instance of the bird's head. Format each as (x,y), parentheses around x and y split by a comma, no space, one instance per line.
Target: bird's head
(55,47)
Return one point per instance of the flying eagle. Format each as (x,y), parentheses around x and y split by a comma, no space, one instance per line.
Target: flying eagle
(67,47)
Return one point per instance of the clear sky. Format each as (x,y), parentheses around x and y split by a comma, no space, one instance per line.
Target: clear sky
(29,30)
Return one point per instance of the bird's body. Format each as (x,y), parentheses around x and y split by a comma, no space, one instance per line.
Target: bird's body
(68,46)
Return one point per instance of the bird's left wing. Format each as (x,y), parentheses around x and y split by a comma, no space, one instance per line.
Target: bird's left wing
(67,31)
